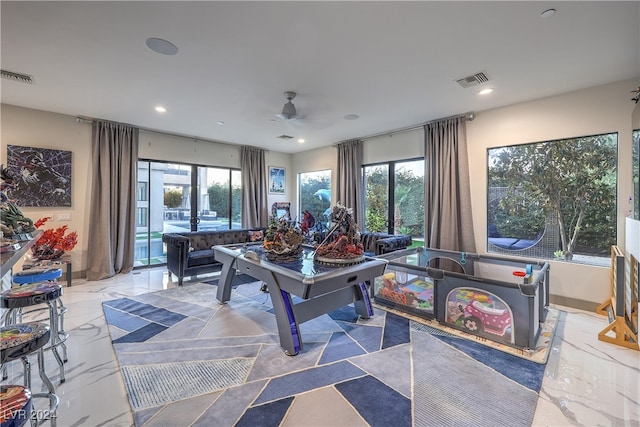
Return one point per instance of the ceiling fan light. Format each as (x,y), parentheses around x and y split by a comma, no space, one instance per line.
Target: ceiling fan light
(288,111)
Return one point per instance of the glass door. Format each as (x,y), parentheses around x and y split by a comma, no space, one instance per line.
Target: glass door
(408,198)
(376,205)
(173,197)
(394,197)
(219,201)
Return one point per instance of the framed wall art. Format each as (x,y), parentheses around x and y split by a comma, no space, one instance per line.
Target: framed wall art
(277,180)
(41,176)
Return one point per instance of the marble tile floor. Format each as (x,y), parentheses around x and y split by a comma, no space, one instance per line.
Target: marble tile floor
(587,382)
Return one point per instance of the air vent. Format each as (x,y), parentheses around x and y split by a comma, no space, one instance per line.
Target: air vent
(285,137)
(17,77)
(474,80)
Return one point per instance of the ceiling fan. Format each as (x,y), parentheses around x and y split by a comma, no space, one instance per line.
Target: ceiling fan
(289,110)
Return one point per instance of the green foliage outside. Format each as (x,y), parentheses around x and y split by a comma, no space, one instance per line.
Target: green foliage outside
(409,202)
(173,199)
(220,203)
(408,199)
(377,198)
(573,179)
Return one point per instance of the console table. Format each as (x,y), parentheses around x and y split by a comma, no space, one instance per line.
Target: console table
(63,260)
(9,258)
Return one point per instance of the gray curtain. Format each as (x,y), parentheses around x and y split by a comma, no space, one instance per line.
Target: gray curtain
(349,174)
(112,226)
(255,212)
(448,221)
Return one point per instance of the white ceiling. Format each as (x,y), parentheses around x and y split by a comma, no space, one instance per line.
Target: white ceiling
(395,64)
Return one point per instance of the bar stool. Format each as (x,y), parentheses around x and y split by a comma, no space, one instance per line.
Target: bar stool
(18,342)
(20,297)
(48,274)
(36,275)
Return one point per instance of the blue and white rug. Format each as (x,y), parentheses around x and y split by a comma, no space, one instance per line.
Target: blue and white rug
(187,360)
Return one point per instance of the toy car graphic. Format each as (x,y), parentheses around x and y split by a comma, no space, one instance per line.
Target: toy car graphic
(478,317)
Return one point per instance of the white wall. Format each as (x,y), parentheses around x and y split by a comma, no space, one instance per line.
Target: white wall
(34,128)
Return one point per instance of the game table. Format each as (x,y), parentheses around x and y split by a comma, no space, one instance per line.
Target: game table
(321,288)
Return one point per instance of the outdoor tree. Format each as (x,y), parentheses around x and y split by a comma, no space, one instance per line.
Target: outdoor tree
(173,199)
(408,201)
(574,179)
(220,203)
(376,193)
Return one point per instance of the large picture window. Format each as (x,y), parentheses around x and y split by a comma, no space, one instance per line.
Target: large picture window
(554,199)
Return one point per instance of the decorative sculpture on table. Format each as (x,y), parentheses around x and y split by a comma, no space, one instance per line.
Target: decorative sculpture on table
(342,245)
(283,241)
(14,225)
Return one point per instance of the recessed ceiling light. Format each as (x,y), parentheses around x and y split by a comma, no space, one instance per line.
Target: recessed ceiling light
(485,91)
(220,122)
(161,109)
(161,46)
(547,13)
(351,117)
(301,141)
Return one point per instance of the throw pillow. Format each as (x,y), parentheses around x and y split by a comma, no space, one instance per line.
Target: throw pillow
(256,236)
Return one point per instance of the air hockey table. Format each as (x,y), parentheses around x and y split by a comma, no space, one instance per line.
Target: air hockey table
(321,288)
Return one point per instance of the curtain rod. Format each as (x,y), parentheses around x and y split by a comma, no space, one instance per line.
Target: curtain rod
(89,120)
(468,116)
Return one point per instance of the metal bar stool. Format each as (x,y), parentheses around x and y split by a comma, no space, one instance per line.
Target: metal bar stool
(20,297)
(18,342)
(48,274)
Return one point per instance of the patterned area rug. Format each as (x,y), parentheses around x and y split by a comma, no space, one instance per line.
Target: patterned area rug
(187,360)
(539,354)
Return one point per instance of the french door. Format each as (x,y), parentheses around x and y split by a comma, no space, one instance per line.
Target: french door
(175,197)
(394,197)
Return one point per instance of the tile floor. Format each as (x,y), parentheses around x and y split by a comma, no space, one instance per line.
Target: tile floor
(587,382)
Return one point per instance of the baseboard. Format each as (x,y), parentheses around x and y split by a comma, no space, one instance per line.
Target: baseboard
(573,303)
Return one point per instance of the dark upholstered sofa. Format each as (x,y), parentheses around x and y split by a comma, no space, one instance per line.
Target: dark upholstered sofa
(190,253)
(377,243)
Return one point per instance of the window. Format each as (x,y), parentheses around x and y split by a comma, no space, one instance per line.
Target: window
(141,217)
(142,192)
(175,197)
(394,198)
(554,199)
(314,195)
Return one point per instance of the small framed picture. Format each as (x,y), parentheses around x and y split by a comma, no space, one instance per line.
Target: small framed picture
(277,181)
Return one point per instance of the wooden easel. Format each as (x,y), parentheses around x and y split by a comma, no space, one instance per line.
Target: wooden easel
(622,307)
